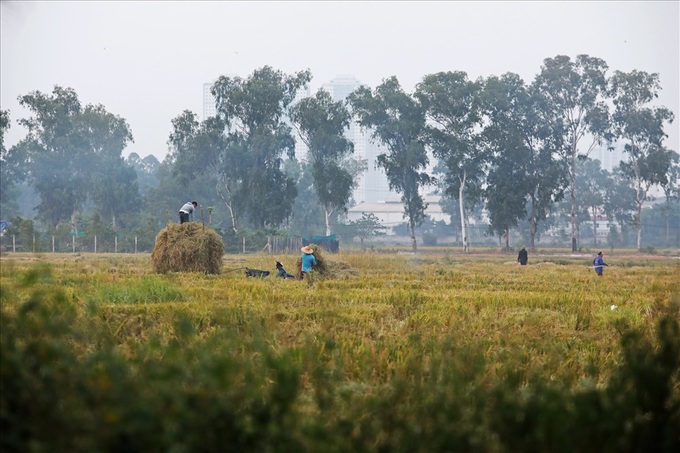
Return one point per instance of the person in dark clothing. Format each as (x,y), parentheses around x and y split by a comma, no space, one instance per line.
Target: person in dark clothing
(282,272)
(598,264)
(187,211)
(523,257)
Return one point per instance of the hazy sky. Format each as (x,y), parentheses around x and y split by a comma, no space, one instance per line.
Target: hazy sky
(147,61)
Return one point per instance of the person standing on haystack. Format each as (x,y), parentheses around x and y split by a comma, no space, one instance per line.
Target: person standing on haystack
(308,260)
(186,212)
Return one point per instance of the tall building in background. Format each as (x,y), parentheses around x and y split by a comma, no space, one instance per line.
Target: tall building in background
(209,107)
(209,103)
(300,147)
(609,159)
(372,185)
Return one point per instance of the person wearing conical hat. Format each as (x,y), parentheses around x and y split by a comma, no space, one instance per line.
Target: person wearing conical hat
(308,260)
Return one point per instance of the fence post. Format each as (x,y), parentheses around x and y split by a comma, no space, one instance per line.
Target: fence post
(14,244)
(135,244)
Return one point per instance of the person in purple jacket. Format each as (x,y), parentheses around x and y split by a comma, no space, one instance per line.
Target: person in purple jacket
(598,264)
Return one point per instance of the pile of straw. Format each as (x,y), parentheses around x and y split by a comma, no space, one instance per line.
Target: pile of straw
(188,247)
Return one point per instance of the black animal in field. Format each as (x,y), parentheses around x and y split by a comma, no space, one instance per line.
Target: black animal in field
(256,273)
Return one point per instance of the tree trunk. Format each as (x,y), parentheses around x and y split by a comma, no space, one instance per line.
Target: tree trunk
(233,218)
(667,215)
(594,227)
(413,237)
(532,225)
(113,221)
(573,213)
(328,221)
(639,225)
(572,192)
(639,200)
(461,190)
(507,239)
(226,197)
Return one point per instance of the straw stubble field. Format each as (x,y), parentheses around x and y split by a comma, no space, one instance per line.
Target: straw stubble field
(413,331)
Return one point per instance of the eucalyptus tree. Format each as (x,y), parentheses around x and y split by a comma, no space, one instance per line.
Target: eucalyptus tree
(4,127)
(573,96)
(452,107)
(11,163)
(449,206)
(619,201)
(505,197)
(321,124)
(397,120)
(146,169)
(524,169)
(114,190)
(640,127)
(592,182)
(65,148)
(6,182)
(307,211)
(254,113)
(201,157)
(671,191)
(59,160)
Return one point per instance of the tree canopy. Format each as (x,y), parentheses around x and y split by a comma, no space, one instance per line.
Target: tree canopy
(641,127)
(451,103)
(75,153)
(321,124)
(398,121)
(254,111)
(573,94)
(512,147)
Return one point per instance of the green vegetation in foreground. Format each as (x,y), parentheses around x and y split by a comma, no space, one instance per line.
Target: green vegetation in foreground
(397,353)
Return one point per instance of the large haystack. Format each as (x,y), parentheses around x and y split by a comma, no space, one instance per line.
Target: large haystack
(188,247)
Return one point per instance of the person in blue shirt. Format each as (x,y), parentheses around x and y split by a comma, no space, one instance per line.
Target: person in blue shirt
(308,260)
(598,264)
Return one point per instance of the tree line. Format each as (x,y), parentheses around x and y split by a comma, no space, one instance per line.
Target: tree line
(518,149)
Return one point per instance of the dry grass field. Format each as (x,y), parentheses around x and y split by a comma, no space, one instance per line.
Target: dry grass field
(387,350)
